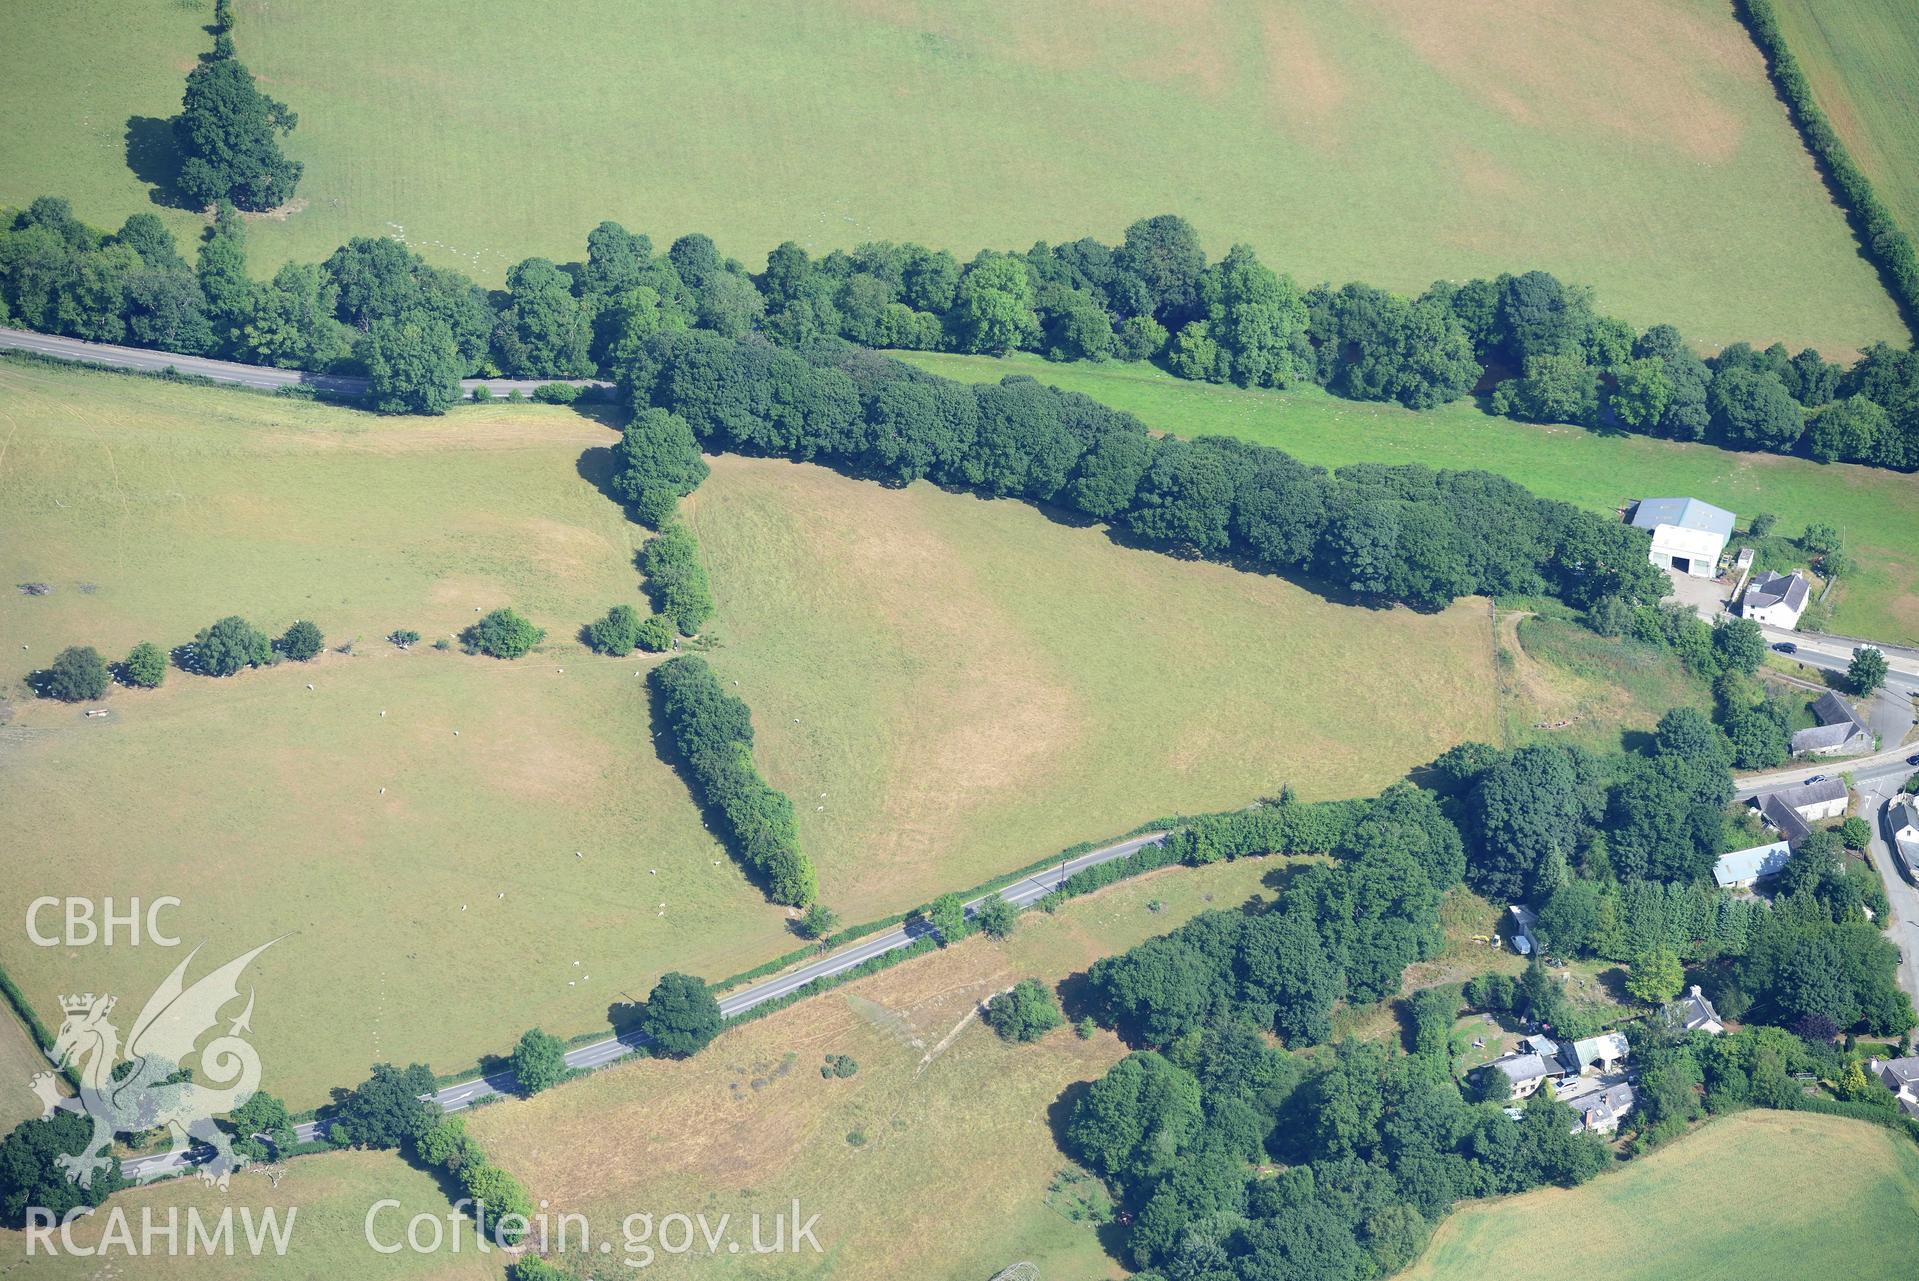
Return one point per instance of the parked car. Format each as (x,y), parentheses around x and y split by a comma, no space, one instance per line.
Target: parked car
(1817,778)
(1786,647)
(1913,759)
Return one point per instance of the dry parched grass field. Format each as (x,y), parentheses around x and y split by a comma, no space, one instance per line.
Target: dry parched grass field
(419,864)
(947,687)
(328,1198)
(934,1160)
(1633,145)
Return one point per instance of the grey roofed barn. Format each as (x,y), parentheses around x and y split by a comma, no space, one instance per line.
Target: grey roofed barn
(1686,513)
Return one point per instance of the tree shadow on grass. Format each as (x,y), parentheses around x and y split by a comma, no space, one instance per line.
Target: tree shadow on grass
(155,160)
(1112,1234)
(597,466)
(1076,999)
(1612,980)
(1278,878)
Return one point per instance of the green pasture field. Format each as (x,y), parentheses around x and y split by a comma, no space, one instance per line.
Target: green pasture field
(328,1198)
(1862,57)
(1876,510)
(1840,1197)
(949,686)
(1633,145)
(955,1149)
(1561,683)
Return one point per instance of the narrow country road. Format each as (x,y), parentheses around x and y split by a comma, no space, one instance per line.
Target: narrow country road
(235,374)
(1903,928)
(1887,766)
(599,1053)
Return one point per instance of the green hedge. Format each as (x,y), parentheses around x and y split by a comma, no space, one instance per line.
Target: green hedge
(1858,1112)
(35,1028)
(1889,246)
(712,735)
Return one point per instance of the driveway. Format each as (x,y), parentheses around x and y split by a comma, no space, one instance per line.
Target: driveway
(1708,597)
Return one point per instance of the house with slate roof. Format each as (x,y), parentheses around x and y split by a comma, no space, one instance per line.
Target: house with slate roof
(1791,811)
(1694,1013)
(1901,1076)
(1776,599)
(1839,732)
(1903,817)
(1598,1109)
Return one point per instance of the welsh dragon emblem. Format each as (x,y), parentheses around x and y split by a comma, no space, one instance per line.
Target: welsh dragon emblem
(141,1086)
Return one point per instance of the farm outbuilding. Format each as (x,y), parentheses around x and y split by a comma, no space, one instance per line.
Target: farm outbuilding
(1688,536)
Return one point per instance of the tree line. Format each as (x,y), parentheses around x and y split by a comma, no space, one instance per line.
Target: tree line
(78,673)
(712,734)
(1536,346)
(1379,533)
(1888,245)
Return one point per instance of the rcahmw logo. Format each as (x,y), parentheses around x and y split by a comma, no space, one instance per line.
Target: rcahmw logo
(139,1086)
(163,1230)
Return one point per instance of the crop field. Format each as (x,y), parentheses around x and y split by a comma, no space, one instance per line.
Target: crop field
(934,1160)
(949,687)
(1634,145)
(1874,509)
(328,1198)
(1828,1186)
(1862,57)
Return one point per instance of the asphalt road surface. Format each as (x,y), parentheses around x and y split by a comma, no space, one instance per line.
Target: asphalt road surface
(1887,765)
(599,1053)
(234,373)
(1903,928)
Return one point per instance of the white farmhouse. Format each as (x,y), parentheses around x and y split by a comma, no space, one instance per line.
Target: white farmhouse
(1791,811)
(1903,818)
(1688,536)
(1776,599)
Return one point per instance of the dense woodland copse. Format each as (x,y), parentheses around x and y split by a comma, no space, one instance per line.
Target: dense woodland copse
(1535,346)
(1233,1159)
